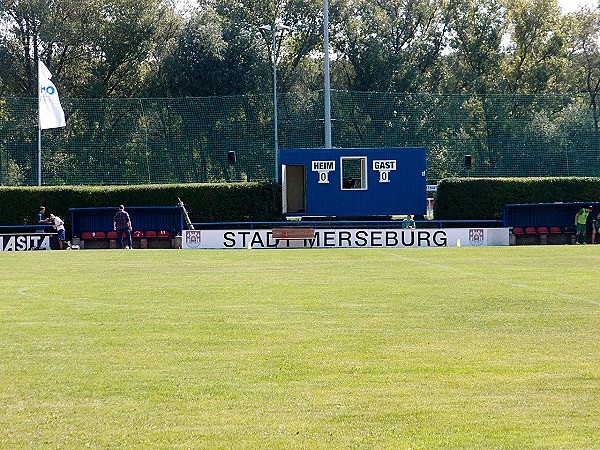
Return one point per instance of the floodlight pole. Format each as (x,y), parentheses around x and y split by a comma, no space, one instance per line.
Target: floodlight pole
(39,155)
(327,87)
(274,30)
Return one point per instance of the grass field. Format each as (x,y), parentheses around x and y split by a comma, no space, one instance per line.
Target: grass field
(447,348)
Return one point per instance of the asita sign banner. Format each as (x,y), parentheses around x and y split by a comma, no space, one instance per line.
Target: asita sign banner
(23,242)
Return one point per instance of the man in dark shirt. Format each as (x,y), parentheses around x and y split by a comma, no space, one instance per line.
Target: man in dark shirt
(40,219)
(122,224)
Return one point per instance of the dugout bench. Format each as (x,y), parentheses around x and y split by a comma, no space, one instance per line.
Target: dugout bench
(153,226)
(545,223)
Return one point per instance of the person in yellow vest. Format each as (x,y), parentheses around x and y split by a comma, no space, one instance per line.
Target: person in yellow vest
(581,225)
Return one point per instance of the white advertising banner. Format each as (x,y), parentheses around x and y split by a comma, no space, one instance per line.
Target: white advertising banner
(347,238)
(22,242)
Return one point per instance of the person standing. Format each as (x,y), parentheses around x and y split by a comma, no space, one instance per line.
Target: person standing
(59,226)
(581,225)
(122,224)
(596,228)
(41,219)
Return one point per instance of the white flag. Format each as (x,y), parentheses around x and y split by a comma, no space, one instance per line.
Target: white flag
(50,112)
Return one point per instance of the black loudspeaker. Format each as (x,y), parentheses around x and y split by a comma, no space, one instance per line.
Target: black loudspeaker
(231,157)
(468,161)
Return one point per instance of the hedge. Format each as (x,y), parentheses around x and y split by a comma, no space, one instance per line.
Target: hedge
(456,198)
(484,198)
(232,202)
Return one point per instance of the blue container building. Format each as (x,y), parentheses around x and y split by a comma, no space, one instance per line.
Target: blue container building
(353,182)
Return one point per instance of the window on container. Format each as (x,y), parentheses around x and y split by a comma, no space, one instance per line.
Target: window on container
(354,173)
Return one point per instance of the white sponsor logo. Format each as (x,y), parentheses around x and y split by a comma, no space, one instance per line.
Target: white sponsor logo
(19,243)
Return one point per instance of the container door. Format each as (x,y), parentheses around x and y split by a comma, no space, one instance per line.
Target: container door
(293,180)
(284,207)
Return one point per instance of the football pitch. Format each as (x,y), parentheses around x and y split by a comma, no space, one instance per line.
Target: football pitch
(448,348)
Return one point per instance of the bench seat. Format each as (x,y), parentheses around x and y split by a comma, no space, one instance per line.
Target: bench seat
(293,233)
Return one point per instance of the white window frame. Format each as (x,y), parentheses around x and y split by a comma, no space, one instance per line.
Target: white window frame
(363,173)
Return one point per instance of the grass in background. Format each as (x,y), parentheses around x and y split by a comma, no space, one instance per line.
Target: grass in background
(494,347)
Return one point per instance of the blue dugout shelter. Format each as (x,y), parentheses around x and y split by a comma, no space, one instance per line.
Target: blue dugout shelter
(143,218)
(355,182)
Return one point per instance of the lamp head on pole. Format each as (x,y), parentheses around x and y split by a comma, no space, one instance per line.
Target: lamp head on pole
(274,29)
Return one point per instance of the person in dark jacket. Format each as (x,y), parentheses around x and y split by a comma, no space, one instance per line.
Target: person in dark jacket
(122,224)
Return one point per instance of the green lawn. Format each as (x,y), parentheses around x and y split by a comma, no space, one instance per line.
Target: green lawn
(445,348)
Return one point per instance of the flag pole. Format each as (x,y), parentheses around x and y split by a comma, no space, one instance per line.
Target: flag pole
(39,139)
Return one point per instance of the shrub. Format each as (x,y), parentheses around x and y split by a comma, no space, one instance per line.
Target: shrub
(205,202)
(484,198)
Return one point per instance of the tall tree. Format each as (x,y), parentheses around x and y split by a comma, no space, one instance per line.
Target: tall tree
(536,51)
(36,29)
(475,48)
(392,45)
(93,47)
(584,56)
(124,42)
(225,49)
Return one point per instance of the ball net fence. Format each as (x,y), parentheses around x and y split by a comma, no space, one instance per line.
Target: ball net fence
(187,140)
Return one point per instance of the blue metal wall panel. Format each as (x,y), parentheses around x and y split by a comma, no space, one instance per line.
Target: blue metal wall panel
(404,194)
(545,214)
(143,218)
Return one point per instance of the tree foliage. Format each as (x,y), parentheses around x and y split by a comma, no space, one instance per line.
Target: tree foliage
(502,63)
(94,48)
(121,48)
(393,45)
